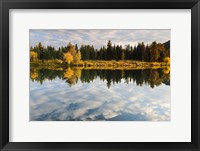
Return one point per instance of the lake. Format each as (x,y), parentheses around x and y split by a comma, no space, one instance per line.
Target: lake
(75,94)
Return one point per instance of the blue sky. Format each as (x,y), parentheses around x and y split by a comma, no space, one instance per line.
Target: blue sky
(96,37)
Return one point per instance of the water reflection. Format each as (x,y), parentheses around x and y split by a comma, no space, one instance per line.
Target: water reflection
(114,95)
(151,77)
(75,94)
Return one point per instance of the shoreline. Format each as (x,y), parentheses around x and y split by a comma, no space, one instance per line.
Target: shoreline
(100,64)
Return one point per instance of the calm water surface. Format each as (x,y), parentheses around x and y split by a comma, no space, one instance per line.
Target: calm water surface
(99,95)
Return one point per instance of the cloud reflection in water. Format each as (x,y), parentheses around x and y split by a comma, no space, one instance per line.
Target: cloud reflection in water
(57,101)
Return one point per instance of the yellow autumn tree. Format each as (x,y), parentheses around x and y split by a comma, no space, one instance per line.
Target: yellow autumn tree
(68,58)
(167,60)
(166,70)
(68,73)
(71,49)
(77,57)
(33,55)
(34,74)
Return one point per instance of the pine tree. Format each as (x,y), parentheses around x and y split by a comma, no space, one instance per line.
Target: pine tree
(109,50)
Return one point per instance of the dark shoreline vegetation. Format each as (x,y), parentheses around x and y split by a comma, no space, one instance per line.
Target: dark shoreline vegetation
(155,54)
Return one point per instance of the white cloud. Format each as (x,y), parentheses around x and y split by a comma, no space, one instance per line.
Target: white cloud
(96,37)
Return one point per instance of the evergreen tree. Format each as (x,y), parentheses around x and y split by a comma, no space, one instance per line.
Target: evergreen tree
(109,50)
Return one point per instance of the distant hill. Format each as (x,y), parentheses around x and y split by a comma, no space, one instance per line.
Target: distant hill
(167,44)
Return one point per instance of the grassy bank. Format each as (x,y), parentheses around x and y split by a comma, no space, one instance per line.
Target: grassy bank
(99,64)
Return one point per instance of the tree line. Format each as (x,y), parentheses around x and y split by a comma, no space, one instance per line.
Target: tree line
(155,52)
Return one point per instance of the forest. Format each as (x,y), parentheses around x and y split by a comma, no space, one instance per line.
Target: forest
(73,55)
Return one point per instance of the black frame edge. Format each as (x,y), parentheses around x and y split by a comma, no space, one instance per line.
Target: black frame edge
(99,4)
(195,75)
(4,74)
(198,80)
(1,86)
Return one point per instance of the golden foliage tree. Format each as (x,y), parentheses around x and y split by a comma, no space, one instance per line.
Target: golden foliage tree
(68,73)
(33,55)
(77,57)
(71,49)
(167,60)
(166,70)
(34,74)
(68,58)
(70,76)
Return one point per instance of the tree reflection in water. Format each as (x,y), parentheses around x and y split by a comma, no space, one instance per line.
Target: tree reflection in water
(151,77)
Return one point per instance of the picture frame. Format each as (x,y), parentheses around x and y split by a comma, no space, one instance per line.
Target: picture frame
(5,5)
